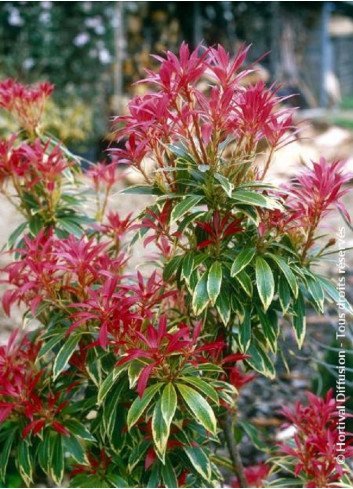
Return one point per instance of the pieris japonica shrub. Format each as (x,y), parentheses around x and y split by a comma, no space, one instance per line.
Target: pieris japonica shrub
(132,379)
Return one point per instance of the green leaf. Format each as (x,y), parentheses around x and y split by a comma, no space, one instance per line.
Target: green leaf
(78,429)
(203,386)
(188,220)
(184,206)
(242,260)
(250,212)
(245,282)
(4,457)
(57,458)
(287,272)
(188,266)
(264,281)
(44,451)
(179,150)
(299,319)
(49,345)
(24,462)
(284,294)
(153,480)
(109,381)
(160,431)
(75,449)
(214,281)
(36,224)
(200,297)
(168,403)
(116,480)
(223,307)
(260,361)
(71,226)
(168,474)
(199,407)
(227,186)
(316,292)
(140,404)
(256,199)
(64,354)
(253,434)
(16,234)
(269,323)
(332,292)
(89,481)
(142,190)
(171,267)
(200,461)
(94,366)
(110,408)
(245,332)
(137,453)
(134,371)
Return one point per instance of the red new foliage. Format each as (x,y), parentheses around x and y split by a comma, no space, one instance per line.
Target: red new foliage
(24,102)
(316,442)
(20,392)
(32,163)
(50,266)
(103,173)
(150,362)
(180,112)
(157,346)
(219,229)
(255,476)
(318,190)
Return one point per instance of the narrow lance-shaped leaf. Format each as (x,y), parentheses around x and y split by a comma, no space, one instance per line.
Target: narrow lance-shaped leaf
(168,474)
(168,403)
(79,429)
(316,293)
(284,294)
(200,461)
(223,306)
(25,462)
(214,281)
(4,457)
(332,292)
(299,319)
(188,266)
(110,409)
(242,260)
(256,199)
(109,382)
(245,282)
(76,450)
(200,298)
(202,386)
(65,354)
(185,205)
(287,272)
(140,404)
(227,186)
(160,431)
(245,331)
(264,281)
(199,407)
(57,459)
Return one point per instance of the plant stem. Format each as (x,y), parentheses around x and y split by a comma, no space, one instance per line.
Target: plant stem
(267,164)
(226,423)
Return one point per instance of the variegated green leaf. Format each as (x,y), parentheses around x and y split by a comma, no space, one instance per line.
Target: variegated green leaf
(264,281)
(199,407)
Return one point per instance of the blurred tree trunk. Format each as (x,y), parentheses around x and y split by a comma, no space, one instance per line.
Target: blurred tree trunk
(119,56)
